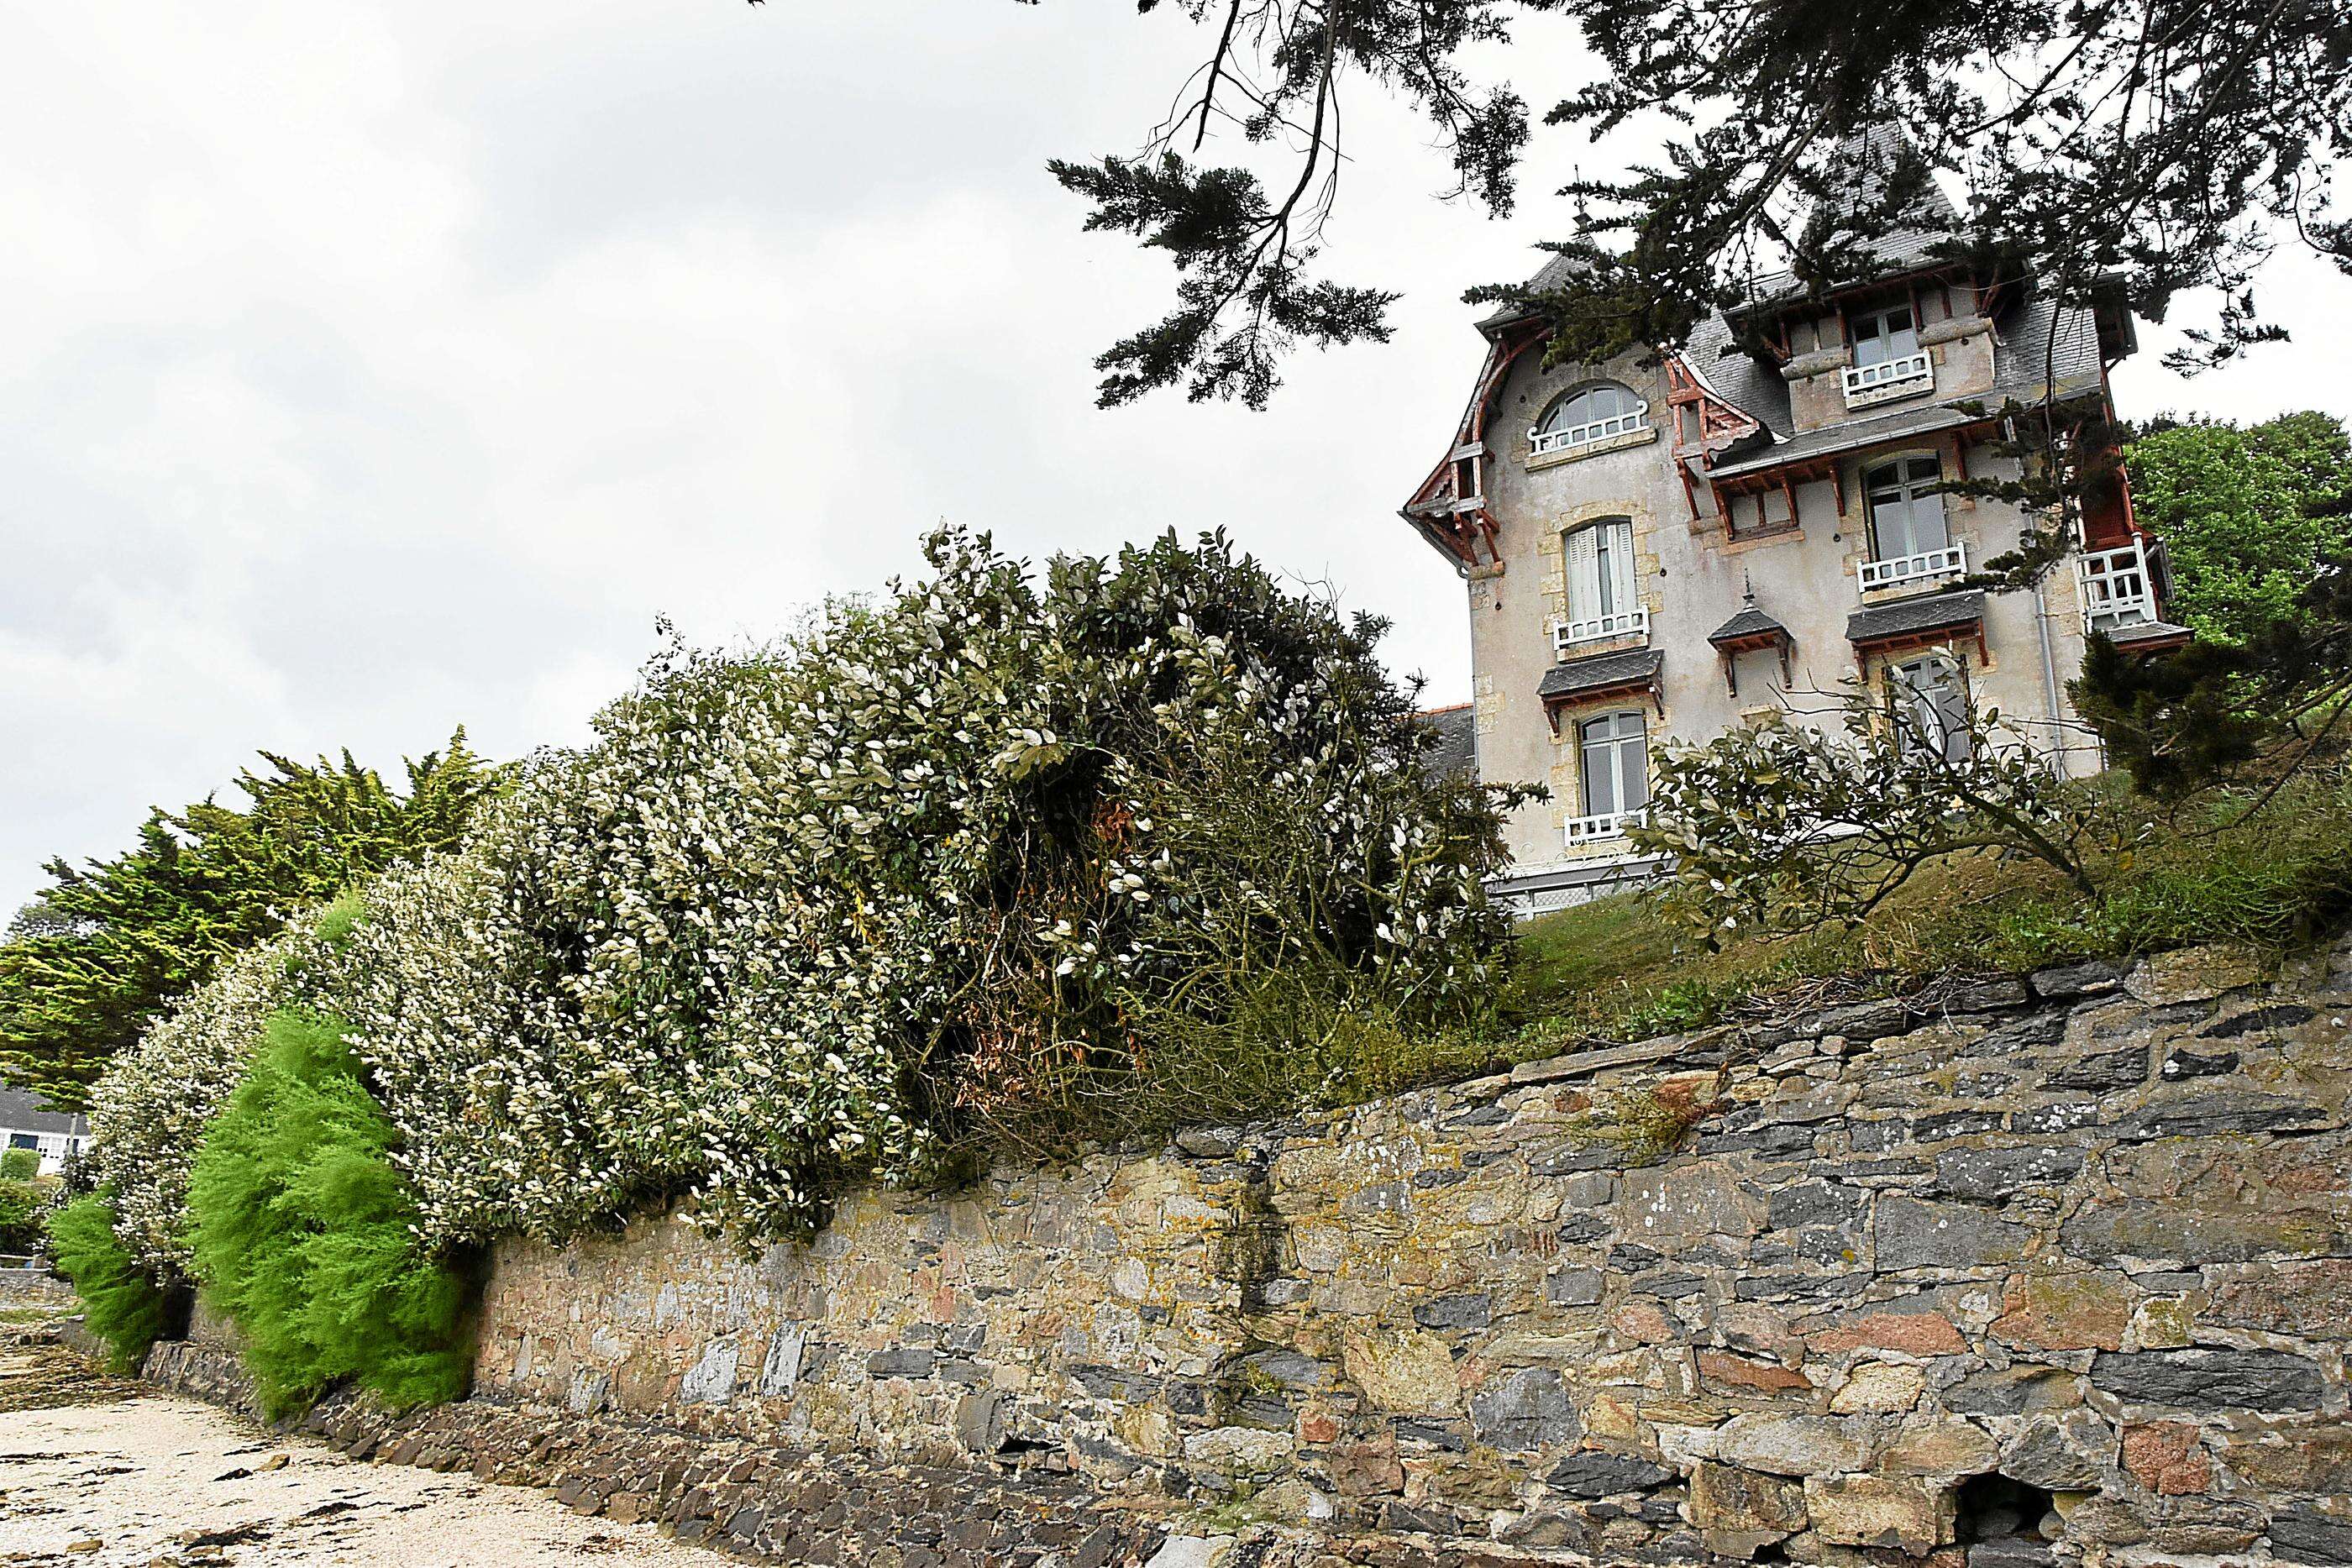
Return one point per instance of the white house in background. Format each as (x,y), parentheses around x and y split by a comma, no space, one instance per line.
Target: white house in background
(1657,553)
(29,1122)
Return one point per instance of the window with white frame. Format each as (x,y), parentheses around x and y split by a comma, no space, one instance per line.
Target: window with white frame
(1588,414)
(1930,703)
(1601,601)
(1614,763)
(1907,509)
(1882,337)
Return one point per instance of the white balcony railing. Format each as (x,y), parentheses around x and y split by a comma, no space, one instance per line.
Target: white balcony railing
(1567,634)
(1952,561)
(1888,380)
(2116,588)
(1607,825)
(1568,437)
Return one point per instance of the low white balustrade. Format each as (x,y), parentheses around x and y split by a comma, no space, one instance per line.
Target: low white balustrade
(1951,560)
(1566,635)
(1888,379)
(1607,825)
(1569,437)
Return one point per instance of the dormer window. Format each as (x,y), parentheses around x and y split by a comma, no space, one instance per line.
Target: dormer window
(1588,415)
(1888,362)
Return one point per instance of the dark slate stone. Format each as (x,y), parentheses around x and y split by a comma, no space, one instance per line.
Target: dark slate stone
(2189,1064)
(1956,1124)
(2108,1071)
(2208,1378)
(2282,1015)
(1816,1203)
(1775,1138)
(1869,1137)
(1632,1256)
(1527,1410)
(2014,1391)
(1423,1181)
(2208,1112)
(1574,1287)
(1825,1244)
(2058,1116)
(1396,1516)
(1291,1369)
(901,1360)
(1670,1286)
(1578,1229)
(2306,1535)
(1449,1436)
(1455,1311)
(1606,1475)
(1801,1287)
(2036,1031)
(2070,980)
(1988,1175)
(1910,1234)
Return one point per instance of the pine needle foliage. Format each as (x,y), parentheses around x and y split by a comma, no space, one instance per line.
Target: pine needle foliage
(305,1234)
(121,1305)
(102,952)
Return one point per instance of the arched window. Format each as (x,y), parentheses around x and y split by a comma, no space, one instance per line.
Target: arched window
(1588,415)
(1613,761)
(1930,701)
(1907,509)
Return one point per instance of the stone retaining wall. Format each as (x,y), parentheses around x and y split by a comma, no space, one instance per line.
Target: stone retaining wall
(2037,1271)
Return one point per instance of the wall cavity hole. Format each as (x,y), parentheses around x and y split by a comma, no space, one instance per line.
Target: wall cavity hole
(1995,1508)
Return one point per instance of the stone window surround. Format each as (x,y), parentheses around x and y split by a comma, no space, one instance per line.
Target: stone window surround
(1568,770)
(1862,530)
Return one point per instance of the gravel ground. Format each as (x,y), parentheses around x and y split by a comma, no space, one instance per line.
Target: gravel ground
(95,1473)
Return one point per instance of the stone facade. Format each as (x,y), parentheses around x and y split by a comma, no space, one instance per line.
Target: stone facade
(2046,1270)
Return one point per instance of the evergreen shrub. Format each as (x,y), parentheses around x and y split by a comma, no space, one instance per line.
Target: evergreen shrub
(305,1234)
(19,1165)
(121,1305)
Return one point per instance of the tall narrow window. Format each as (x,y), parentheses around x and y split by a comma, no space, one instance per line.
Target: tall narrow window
(1906,510)
(1931,707)
(1615,764)
(1884,335)
(1600,576)
(1588,414)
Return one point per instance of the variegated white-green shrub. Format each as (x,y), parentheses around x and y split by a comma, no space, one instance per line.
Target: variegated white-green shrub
(984,847)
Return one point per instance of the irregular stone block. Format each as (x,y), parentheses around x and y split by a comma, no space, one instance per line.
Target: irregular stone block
(1904,1513)
(2304,1459)
(1468,1312)
(1595,1475)
(2105,1072)
(1939,1446)
(781,1367)
(1406,1370)
(2197,1111)
(1913,1325)
(1987,1176)
(2192,975)
(2088,1310)
(1573,1287)
(1524,1410)
(1724,1370)
(711,1379)
(1908,1234)
(1796,1445)
(1742,1511)
(2015,1391)
(1878,1387)
(2304,1534)
(2212,1379)
(2167,1458)
(2071,1453)
(2191,1233)
(903,1360)
(2260,1020)
(1815,1203)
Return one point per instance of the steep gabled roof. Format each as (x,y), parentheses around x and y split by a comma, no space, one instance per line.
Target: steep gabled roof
(22,1111)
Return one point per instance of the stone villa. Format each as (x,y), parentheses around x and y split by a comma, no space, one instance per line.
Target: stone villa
(1654,553)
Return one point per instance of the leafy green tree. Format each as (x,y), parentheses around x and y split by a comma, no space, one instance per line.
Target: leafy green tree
(307,1236)
(2170,148)
(96,954)
(2246,515)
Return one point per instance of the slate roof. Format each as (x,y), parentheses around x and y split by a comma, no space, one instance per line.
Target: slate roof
(1904,616)
(22,1111)
(1456,753)
(1600,673)
(1750,623)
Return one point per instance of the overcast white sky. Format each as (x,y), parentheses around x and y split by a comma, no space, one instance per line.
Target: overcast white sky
(368,368)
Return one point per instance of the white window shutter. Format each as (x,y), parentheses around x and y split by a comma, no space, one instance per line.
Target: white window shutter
(1584,574)
(1620,565)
